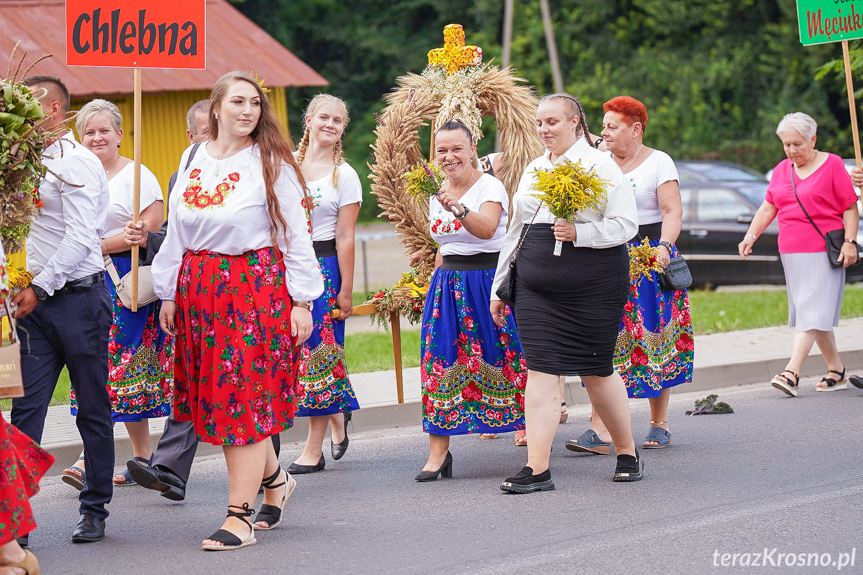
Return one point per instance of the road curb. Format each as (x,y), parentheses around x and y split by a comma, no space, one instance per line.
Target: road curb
(408,414)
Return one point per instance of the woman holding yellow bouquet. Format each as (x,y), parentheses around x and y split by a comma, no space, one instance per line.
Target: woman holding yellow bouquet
(568,307)
(472,371)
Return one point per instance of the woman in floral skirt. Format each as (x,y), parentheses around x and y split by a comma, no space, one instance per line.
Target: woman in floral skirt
(237,276)
(325,393)
(140,356)
(472,370)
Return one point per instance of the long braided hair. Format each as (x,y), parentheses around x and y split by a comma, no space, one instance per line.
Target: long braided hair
(311,110)
(272,144)
(575,109)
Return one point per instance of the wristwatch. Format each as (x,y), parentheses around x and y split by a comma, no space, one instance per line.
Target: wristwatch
(851,241)
(41,294)
(667,245)
(463,214)
(303,304)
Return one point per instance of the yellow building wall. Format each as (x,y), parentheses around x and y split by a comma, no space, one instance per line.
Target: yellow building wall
(163,126)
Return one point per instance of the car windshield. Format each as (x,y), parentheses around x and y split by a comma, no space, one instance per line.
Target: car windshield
(754,191)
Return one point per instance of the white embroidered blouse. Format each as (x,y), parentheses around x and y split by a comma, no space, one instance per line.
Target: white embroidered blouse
(221,206)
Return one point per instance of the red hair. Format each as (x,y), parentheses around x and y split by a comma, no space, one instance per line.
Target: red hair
(631,109)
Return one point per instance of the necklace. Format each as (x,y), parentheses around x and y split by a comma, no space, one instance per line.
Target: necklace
(467,187)
(111,169)
(633,159)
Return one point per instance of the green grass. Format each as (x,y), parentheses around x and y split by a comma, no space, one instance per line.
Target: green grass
(717,312)
(712,312)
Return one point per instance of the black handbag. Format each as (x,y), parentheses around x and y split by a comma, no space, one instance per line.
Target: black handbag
(833,239)
(676,276)
(506,291)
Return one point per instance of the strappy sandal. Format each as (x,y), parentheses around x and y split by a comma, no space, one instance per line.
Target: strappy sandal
(29,564)
(657,437)
(227,539)
(783,382)
(75,476)
(127,477)
(488,435)
(270,514)
(589,442)
(521,438)
(833,384)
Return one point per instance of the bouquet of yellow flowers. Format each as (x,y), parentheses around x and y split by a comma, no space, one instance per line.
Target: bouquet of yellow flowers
(644,259)
(568,189)
(424,181)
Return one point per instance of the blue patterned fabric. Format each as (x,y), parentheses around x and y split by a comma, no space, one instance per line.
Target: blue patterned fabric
(473,373)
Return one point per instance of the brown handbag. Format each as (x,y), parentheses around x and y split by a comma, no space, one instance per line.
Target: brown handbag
(11,382)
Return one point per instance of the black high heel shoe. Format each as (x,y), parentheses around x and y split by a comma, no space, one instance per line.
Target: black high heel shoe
(270,514)
(445,470)
(338,449)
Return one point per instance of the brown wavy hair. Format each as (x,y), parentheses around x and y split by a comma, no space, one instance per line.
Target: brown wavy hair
(274,147)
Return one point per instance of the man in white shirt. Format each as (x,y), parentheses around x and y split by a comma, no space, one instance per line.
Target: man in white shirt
(65,314)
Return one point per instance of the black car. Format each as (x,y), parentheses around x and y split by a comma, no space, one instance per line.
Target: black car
(716,216)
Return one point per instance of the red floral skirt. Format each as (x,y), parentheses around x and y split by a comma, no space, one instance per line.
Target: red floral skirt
(22,465)
(235,365)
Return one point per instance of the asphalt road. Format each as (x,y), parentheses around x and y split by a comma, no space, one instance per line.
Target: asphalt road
(779,473)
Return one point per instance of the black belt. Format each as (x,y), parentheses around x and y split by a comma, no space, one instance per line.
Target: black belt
(475,262)
(652,231)
(325,249)
(81,284)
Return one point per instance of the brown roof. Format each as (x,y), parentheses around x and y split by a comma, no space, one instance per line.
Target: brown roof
(233,43)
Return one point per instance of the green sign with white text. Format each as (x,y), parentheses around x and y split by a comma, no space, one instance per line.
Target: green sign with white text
(823,21)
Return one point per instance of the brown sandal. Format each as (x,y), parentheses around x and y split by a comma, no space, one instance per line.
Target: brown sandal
(29,564)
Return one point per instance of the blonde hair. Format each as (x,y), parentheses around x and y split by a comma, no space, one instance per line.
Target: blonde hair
(575,109)
(95,107)
(316,102)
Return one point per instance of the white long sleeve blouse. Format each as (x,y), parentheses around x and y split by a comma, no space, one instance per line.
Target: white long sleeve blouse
(221,206)
(614,224)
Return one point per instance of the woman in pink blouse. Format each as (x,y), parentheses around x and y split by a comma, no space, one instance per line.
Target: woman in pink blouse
(237,275)
(811,193)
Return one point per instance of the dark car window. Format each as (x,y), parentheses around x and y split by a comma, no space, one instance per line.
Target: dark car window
(720,205)
(686,203)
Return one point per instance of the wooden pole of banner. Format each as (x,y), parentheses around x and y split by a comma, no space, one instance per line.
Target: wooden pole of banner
(136,198)
(852,106)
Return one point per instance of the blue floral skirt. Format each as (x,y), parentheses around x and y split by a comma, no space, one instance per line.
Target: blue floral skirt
(324,387)
(140,358)
(655,345)
(473,372)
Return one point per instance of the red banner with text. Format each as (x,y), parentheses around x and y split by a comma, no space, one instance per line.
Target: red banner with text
(140,34)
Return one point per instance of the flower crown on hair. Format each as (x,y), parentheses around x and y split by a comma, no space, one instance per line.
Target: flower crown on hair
(260,82)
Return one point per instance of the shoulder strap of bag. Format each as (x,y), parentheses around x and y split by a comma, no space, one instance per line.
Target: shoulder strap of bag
(521,240)
(191,155)
(112,271)
(799,203)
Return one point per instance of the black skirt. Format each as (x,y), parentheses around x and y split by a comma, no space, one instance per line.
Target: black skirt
(568,307)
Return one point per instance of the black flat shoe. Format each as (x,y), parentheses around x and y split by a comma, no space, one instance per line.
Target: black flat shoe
(444,470)
(89,529)
(24,541)
(338,449)
(158,479)
(270,514)
(629,468)
(297,469)
(856,381)
(228,540)
(526,482)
